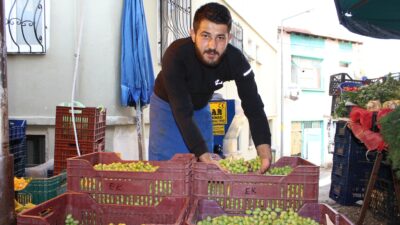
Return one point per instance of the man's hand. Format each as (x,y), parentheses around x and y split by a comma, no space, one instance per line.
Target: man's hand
(209,158)
(264,152)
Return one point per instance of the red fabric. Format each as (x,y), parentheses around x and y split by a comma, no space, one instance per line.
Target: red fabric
(361,123)
(364,117)
(371,140)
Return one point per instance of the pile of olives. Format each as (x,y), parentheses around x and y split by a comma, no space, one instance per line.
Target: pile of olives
(139,166)
(285,170)
(240,166)
(267,216)
(235,166)
(69,220)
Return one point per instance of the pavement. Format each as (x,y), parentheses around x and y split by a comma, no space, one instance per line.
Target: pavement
(325,185)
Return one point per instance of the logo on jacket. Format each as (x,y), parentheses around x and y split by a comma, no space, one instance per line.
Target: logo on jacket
(218,82)
(247,72)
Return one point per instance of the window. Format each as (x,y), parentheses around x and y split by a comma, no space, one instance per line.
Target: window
(36,148)
(306,72)
(345,46)
(346,56)
(237,36)
(175,22)
(343,64)
(27,26)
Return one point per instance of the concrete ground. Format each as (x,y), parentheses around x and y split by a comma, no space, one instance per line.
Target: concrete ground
(325,185)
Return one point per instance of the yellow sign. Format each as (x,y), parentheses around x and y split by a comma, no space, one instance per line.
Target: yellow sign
(219,112)
(219,130)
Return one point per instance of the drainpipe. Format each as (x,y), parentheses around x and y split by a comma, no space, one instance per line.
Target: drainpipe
(7,213)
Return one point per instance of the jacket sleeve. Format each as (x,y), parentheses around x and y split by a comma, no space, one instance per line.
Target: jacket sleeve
(251,102)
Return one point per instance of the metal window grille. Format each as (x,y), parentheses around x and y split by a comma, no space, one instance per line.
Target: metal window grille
(237,36)
(175,21)
(27,26)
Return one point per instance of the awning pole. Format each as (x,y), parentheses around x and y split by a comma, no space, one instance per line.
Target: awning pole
(139,129)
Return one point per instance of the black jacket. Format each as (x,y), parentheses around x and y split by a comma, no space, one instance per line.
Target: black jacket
(187,84)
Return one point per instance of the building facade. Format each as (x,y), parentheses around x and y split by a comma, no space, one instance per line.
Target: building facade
(41,68)
(309,59)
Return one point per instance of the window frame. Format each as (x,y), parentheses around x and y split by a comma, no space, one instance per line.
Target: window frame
(41,13)
(318,69)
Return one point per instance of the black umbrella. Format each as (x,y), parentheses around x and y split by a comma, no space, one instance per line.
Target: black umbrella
(372,18)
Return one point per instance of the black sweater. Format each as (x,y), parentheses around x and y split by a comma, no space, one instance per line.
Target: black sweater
(187,85)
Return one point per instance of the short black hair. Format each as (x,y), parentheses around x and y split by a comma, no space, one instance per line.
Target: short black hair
(213,12)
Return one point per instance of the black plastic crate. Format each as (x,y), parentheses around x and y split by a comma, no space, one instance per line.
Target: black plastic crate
(17,129)
(346,191)
(353,152)
(19,151)
(341,130)
(19,167)
(348,170)
(348,148)
(336,80)
(383,205)
(352,166)
(349,180)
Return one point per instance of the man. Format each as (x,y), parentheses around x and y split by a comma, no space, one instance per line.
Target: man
(192,69)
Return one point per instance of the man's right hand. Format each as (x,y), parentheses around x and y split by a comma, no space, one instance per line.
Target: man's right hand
(207,158)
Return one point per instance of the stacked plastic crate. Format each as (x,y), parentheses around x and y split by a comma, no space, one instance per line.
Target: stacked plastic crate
(17,135)
(351,172)
(351,168)
(120,197)
(217,193)
(90,125)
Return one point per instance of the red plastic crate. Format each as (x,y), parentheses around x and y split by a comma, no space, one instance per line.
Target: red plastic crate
(172,179)
(90,126)
(235,192)
(88,212)
(202,208)
(90,123)
(67,149)
(318,212)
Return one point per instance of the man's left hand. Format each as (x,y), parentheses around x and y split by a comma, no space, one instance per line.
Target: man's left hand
(264,152)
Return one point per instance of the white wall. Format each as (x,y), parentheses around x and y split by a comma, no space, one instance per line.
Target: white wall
(37,83)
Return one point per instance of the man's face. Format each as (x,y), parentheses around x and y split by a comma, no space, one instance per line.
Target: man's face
(210,41)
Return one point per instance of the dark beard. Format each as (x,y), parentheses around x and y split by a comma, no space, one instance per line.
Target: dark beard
(199,56)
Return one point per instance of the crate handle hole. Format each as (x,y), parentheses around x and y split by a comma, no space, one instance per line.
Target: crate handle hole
(46,212)
(76,111)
